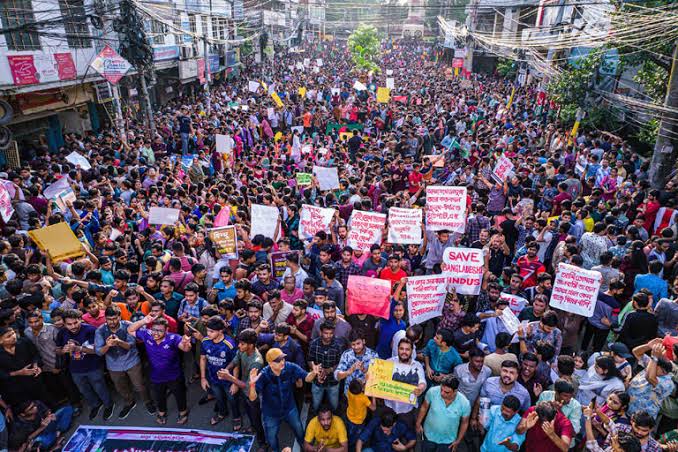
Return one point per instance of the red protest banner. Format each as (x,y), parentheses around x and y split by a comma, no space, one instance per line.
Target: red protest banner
(502,169)
(367,295)
(445,208)
(464,269)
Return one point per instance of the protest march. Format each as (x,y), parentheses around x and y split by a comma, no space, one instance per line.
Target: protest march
(330,260)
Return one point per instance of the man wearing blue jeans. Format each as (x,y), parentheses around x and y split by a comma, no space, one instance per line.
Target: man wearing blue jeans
(185,129)
(35,425)
(77,340)
(275,387)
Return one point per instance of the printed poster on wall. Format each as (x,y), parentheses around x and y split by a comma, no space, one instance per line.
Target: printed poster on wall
(404,226)
(446,208)
(366,229)
(425,297)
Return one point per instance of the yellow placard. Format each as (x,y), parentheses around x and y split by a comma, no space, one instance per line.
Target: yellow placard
(302,91)
(278,136)
(58,240)
(383,95)
(277,100)
(573,134)
(380,383)
(345,135)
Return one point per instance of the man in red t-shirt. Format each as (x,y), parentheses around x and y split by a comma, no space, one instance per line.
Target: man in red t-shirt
(650,209)
(392,271)
(530,266)
(415,179)
(548,430)
(562,196)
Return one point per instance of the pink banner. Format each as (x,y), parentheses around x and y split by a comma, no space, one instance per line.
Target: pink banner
(367,295)
(65,66)
(23,69)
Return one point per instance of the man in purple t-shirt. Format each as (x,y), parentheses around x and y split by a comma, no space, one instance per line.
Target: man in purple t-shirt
(163,350)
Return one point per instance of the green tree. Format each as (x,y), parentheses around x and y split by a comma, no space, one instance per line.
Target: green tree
(364,44)
(571,87)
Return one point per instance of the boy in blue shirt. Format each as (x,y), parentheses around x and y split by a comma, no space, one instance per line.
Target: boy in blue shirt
(216,352)
(440,357)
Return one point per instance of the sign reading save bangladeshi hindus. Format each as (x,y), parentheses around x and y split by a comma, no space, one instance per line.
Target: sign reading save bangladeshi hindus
(575,290)
(366,229)
(404,225)
(446,208)
(365,295)
(425,297)
(225,239)
(464,268)
(516,303)
(387,380)
(314,219)
(503,169)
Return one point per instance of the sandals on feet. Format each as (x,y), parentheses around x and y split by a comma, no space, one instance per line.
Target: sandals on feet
(183,418)
(161,419)
(216,419)
(237,424)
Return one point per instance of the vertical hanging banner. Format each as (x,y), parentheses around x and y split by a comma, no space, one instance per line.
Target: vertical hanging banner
(314,219)
(575,290)
(264,220)
(366,229)
(404,225)
(446,208)
(425,297)
(365,295)
(503,169)
(464,268)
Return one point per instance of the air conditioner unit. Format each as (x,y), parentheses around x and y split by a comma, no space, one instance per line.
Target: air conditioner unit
(186,52)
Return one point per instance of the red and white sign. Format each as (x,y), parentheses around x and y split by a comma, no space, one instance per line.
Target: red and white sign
(446,208)
(425,297)
(458,62)
(404,225)
(575,290)
(367,295)
(6,209)
(23,69)
(503,169)
(314,219)
(65,66)
(464,268)
(201,71)
(110,65)
(516,303)
(366,229)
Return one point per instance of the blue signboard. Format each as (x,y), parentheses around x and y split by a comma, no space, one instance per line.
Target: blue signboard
(164,53)
(214,63)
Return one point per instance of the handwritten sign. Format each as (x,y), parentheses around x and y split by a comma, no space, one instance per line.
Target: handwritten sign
(510,320)
(366,229)
(464,269)
(425,297)
(264,220)
(279,263)
(446,208)
(314,219)
(367,295)
(503,169)
(404,225)
(304,179)
(253,86)
(163,215)
(226,241)
(78,160)
(381,383)
(328,178)
(55,188)
(575,290)
(516,303)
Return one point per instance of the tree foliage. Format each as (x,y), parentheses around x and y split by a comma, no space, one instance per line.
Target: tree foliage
(364,45)
(571,87)
(507,68)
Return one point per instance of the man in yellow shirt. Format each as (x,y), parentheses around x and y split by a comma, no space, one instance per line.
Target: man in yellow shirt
(326,432)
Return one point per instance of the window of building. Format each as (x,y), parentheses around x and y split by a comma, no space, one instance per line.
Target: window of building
(158,32)
(15,16)
(203,24)
(192,24)
(75,24)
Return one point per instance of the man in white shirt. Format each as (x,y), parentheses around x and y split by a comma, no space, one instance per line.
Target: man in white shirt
(407,370)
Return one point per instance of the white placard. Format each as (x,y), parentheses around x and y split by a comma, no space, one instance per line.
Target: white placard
(359,86)
(464,268)
(264,220)
(328,178)
(6,209)
(365,229)
(446,208)
(319,62)
(253,86)
(510,320)
(163,215)
(78,160)
(335,91)
(314,219)
(404,225)
(221,142)
(425,297)
(307,62)
(575,290)
(390,83)
(503,169)
(57,187)
(516,303)
(389,71)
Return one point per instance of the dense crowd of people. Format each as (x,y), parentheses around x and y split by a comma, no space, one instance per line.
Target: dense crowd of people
(148,309)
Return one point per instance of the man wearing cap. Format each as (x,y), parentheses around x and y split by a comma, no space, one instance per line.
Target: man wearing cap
(275,387)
